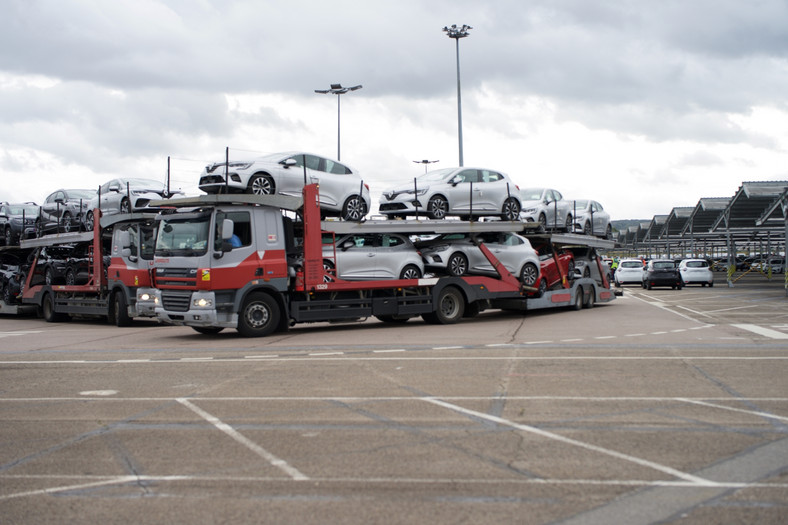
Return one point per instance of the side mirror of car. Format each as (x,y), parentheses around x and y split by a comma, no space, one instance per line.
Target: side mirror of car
(288,163)
(455,180)
(347,245)
(115,188)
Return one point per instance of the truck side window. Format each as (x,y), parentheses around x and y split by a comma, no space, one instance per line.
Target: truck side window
(242,227)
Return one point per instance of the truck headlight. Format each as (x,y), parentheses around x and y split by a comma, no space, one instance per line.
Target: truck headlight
(202,302)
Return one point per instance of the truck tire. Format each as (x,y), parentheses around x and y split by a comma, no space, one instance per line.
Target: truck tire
(208,330)
(589,303)
(48,310)
(449,308)
(578,302)
(120,309)
(259,315)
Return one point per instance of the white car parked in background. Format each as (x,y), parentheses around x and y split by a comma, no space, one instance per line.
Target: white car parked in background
(454,191)
(547,207)
(629,271)
(342,192)
(696,271)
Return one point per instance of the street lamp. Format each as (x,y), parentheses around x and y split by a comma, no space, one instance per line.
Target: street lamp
(457,33)
(337,90)
(425,162)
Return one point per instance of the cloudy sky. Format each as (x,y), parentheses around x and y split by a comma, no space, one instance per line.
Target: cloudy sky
(642,105)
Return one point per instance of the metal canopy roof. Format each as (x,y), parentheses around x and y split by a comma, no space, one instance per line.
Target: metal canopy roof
(748,204)
(676,220)
(704,214)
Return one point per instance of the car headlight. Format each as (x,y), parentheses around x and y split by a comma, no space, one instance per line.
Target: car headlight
(417,192)
(529,210)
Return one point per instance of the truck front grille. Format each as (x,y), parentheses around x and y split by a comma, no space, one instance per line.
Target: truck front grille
(176,301)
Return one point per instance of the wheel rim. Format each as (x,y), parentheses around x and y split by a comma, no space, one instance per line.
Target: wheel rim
(89,221)
(355,209)
(438,207)
(124,206)
(457,265)
(257,315)
(511,210)
(66,222)
(587,229)
(568,223)
(449,306)
(8,236)
(411,272)
(48,277)
(529,274)
(261,186)
(70,278)
(543,221)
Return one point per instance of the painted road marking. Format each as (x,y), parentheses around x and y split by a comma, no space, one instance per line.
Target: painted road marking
(760,330)
(240,438)
(21,332)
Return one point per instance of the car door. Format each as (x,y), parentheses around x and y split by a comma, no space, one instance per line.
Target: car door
(357,257)
(554,211)
(290,180)
(111,193)
(459,194)
(336,182)
(52,209)
(600,218)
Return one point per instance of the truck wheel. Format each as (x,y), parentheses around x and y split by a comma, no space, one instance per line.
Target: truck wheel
(393,318)
(578,303)
(259,315)
(261,185)
(208,330)
(457,264)
(449,308)
(591,299)
(354,208)
(48,310)
(437,208)
(120,308)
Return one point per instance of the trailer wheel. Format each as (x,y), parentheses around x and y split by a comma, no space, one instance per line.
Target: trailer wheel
(208,330)
(457,264)
(120,309)
(48,310)
(578,304)
(449,308)
(259,315)
(591,298)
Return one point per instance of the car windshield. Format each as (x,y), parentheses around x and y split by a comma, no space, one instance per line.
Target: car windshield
(531,194)
(183,237)
(697,264)
(437,175)
(580,205)
(664,265)
(28,210)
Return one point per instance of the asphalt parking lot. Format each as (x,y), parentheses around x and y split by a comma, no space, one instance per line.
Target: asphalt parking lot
(660,407)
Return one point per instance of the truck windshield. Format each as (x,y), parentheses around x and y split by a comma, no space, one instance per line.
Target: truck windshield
(185,237)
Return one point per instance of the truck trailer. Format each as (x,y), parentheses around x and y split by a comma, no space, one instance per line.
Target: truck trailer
(275,276)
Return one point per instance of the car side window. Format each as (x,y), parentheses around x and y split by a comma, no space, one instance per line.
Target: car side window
(469,176)
(388,241)
(490,176)
(335,167)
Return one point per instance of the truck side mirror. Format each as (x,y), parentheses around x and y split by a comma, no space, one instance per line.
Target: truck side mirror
(227,229)
(124,239)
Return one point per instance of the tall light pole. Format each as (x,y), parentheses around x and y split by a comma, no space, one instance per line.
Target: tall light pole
(457,33)
(425,162)
(338,90)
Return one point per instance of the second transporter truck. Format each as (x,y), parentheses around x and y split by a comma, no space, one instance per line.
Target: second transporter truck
(256,263)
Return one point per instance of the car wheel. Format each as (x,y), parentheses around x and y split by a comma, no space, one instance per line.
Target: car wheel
(66,222)
(354,208)
(570,269)
(329,275)
(411,271)
(49,276)
(437,208)
(586,272)
(510,210)
(711,284)
(89,221)
(449,307)
(568,223)
(648,286)
(125,206)
(542,287)
(587,228)
(457,264)
(208,330)
(529,274)
(609,233)
(71,277)
(8,236)
(261,185)
(543,221)
(259,315)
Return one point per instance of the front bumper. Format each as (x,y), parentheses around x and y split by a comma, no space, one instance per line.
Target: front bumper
(198,309)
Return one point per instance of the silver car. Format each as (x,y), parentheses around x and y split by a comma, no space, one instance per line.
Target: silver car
(696,271)
(342,192)
(454,191)
(125,196)
(457,254)
(547,207)
(63,210)
(592,219)
(362,257)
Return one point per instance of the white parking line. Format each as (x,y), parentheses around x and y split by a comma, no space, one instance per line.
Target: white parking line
(760,330)
(557,437)
(723,407)
(240,438)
